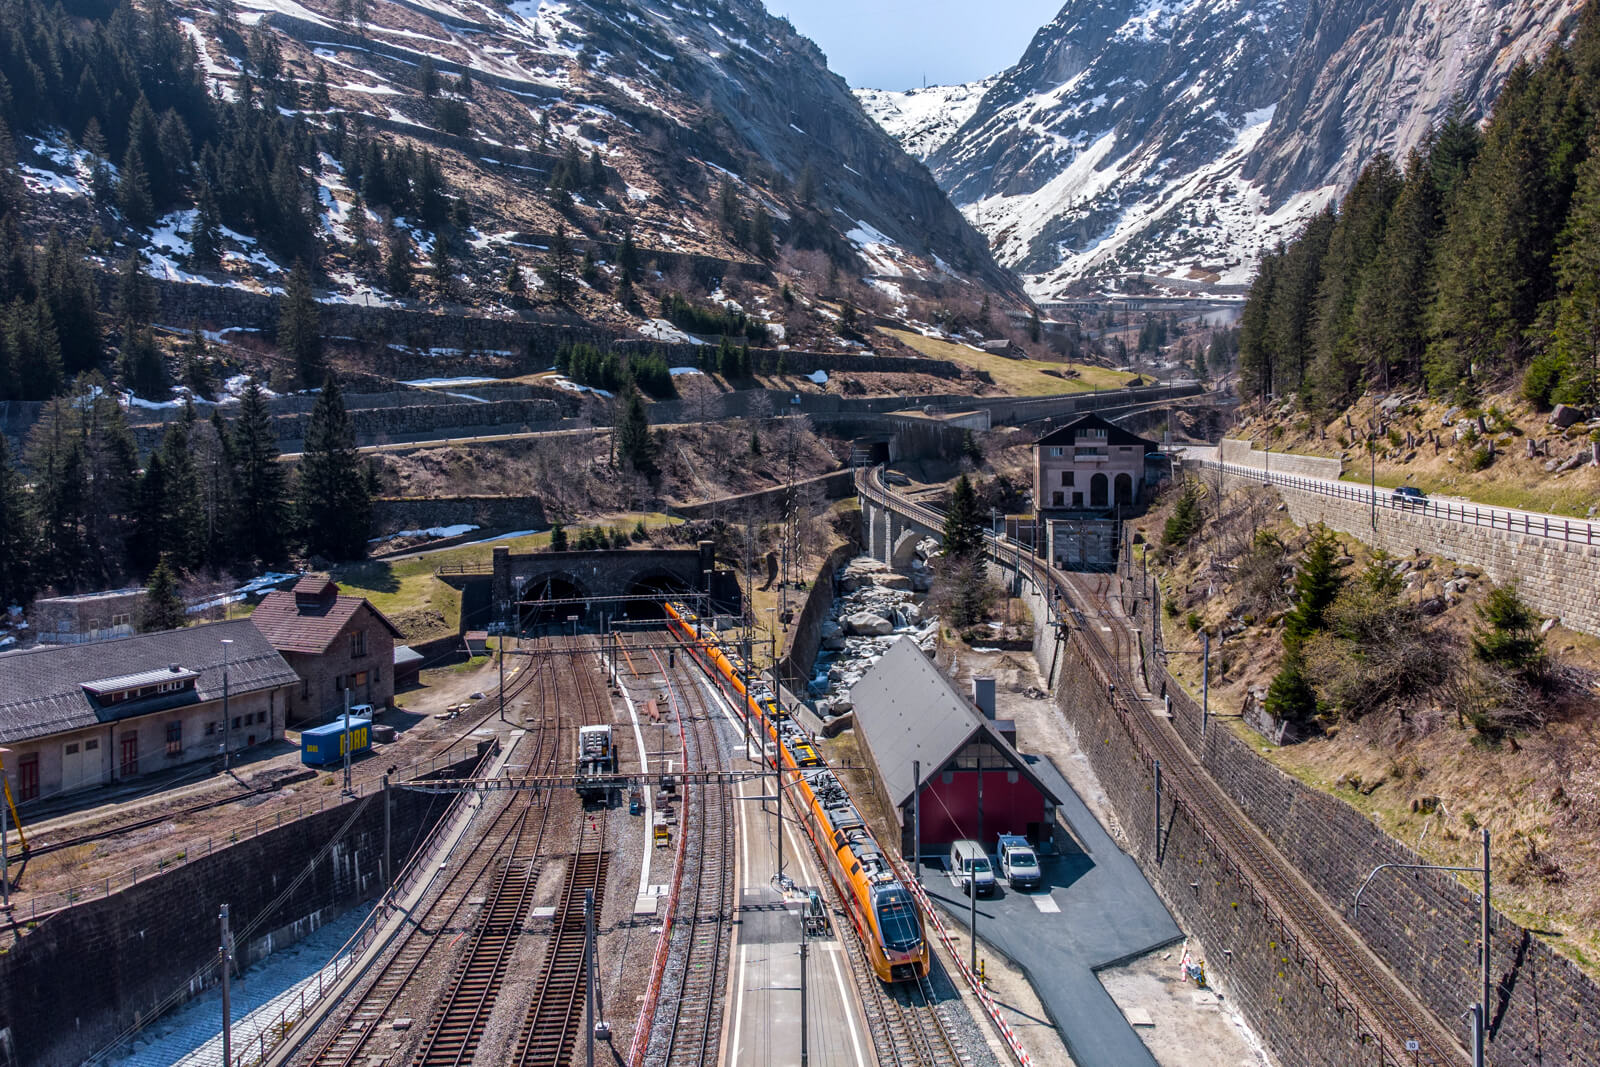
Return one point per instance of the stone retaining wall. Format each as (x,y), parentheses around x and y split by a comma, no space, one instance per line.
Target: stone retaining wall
(1557,578)
(390,514)
(1243,454)
(1283,995)
(86,973)
(835,485)
(805,635)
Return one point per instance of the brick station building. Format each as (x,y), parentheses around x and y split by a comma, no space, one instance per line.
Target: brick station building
(78,716)
(332,642)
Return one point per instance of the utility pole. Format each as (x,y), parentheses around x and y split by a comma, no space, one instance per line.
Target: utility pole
(777,764)
(226,722)
(805,993)
(1205,682)
(972,880)
(1372,454)
(347,790)
(501,648)
(5,830)
(1480,1010)
(225,957)
(916,818)
(388,855)
(1158,812)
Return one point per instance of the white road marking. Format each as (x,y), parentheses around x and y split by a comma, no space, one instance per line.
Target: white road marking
(1047,904)
(649,801)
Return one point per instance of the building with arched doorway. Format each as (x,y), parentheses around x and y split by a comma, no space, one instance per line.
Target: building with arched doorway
(1085,475)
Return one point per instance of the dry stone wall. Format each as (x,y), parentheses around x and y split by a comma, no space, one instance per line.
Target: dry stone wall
(1557,577)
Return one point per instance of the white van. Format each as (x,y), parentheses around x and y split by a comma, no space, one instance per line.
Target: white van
(969,865)
(1018,863)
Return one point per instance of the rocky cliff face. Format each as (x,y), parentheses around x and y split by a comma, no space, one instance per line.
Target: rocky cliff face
(1181,137)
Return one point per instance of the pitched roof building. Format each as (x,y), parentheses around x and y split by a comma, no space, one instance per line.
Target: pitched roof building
(334,643)
(911,722)
(76,716)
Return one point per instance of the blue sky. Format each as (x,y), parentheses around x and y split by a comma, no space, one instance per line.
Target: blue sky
(893,44)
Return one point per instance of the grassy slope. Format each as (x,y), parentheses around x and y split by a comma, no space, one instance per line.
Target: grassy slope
(1512,481)
(1023,377)
(1509,788)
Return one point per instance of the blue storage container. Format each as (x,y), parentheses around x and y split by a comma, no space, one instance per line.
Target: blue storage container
(322,745)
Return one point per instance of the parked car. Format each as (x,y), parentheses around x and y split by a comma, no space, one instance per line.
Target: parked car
(971,868)
(1409,496)
(1018,863)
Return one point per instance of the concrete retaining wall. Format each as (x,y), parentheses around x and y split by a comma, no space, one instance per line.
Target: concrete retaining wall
(86,973)
(835,485)
(1557,578)
(1243,454)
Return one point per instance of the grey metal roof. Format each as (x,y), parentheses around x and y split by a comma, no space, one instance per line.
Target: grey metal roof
(906,710)
(41,689)
(172,673)
(405,656)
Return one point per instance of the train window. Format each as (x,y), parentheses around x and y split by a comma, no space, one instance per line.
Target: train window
(897,920)
(855,868)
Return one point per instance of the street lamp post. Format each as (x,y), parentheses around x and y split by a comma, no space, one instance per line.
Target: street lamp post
(227,644)
(1372,478)
(1480,1010)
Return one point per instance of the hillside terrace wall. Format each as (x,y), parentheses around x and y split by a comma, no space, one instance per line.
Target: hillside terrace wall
(805,635)
(1423,925)
(74,983)
(1285,997)
(1243,454)
(390,514)
(1556,577)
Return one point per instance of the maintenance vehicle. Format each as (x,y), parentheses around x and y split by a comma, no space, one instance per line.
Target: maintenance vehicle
(1018,863)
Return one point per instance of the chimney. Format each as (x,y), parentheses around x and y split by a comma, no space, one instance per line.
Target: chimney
(983,696)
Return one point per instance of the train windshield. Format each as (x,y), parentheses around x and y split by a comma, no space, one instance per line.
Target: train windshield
(898,921)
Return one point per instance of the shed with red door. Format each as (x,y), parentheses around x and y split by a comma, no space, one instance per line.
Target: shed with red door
(913,723)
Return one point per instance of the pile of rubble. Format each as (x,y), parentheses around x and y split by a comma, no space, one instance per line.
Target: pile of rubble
(876,607)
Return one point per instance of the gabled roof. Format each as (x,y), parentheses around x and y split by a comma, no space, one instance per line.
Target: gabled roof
(906,710)
(42,689)
(309,618)
(1114,434)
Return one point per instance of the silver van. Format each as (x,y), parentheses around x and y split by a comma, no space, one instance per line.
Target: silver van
(970,867)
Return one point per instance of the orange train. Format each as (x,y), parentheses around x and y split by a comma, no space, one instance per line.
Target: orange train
(881,907)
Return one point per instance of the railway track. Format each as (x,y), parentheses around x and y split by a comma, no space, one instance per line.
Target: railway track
(465,724)
(1303,910)
(549,1028)
(427,937)
(696,1026)
(1382,1006)
(903,1019)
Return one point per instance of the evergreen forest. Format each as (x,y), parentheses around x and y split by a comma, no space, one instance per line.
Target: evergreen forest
(1472,266)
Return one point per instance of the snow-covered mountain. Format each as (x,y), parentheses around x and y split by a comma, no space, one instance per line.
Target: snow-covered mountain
(710,131)
(922,120)
(1182,137)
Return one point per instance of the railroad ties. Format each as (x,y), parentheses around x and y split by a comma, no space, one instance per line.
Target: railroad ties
(696,1027)
(550,1029)
(903,1019)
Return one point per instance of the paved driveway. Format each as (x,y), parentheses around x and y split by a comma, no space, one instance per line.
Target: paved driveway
(1095,909)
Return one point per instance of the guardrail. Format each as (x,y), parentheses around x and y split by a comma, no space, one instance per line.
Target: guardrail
(1575,531)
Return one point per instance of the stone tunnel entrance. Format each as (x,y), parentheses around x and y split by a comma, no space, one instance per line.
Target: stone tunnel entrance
(546,603)
(648,589)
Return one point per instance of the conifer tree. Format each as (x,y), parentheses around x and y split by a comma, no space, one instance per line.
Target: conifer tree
(56,461)
(17,539)
(636,446)
(963,522)
(559,273)
(163,607)
(206,238)
(397,260)
(300,325)
(558,538)
(335,505)
(258,480)
(133,190)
